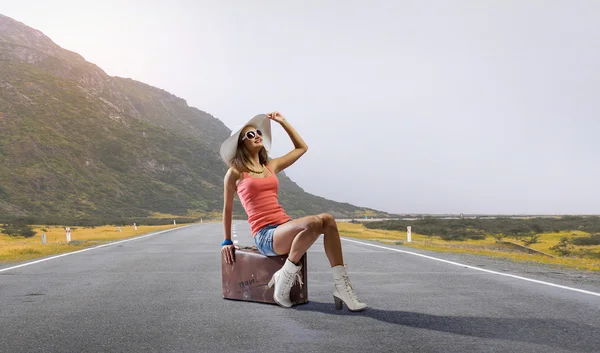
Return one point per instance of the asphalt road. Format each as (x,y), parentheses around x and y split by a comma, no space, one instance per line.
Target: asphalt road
(162,293)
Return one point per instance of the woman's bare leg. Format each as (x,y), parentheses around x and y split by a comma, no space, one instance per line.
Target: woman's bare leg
(297,236)
(331,241)
(294,238)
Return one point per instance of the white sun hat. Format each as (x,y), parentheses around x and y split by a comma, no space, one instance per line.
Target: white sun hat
(260,122)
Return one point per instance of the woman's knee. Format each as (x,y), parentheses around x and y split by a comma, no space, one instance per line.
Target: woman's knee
(315,225)
(327,220)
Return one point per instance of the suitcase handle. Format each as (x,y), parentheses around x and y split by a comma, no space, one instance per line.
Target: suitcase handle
(246,247)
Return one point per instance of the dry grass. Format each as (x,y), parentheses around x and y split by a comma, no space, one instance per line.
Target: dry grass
(487,247)
(14,249)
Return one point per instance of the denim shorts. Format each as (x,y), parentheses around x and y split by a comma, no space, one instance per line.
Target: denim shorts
(264,239)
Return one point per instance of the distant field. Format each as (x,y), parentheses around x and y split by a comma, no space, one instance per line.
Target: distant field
(486,246)
(14,249)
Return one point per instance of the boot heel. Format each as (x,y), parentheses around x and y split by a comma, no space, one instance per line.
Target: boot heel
(338,303)
(271,282)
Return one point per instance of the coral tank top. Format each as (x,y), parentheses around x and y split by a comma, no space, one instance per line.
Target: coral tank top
(259,198)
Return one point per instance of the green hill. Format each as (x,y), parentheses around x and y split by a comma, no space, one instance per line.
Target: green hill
(77,145)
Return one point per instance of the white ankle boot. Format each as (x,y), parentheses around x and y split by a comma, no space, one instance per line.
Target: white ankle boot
(284,280)
(343,291)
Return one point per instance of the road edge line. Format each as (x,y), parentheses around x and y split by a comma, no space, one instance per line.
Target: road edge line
(92,248)
(478,269)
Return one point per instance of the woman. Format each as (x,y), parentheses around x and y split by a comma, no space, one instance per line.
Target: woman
(253,176)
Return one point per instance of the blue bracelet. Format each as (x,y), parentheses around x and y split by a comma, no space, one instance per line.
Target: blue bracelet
(226,242)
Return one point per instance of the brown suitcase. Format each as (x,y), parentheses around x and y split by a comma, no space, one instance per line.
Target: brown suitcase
(247,278)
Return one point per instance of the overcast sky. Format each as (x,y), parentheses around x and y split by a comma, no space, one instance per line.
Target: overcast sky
(407,106)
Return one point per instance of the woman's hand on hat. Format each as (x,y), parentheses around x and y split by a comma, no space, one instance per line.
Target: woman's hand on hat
(276,116)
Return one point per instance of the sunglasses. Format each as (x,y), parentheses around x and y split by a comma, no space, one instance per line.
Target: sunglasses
(252,134)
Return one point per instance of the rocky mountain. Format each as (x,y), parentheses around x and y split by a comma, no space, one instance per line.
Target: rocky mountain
(77,144)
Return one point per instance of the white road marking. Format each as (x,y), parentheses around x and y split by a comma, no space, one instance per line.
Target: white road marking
(477,268)
(92,248)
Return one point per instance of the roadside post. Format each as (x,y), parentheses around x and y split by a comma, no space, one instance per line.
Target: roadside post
(43,238)
(408,234)
(68,234)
